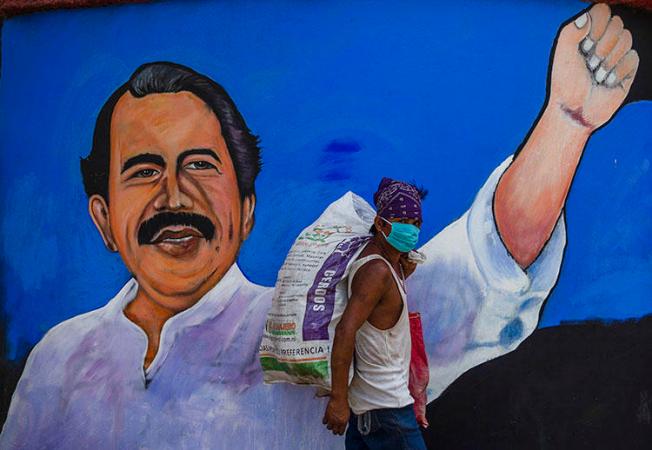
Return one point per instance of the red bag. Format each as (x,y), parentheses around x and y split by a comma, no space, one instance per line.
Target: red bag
(419,373)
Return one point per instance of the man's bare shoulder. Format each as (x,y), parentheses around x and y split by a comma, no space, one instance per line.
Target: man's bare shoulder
(375,266)
(374,275)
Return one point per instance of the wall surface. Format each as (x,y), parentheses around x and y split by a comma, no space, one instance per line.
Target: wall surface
(441,105)
(340,95)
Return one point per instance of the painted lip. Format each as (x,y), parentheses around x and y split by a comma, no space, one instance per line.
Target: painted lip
(176,235)
(178,241)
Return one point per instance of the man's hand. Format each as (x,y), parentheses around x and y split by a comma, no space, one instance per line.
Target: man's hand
(337,415)
(593,67)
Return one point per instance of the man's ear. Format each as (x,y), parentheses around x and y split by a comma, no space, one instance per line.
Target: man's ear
(99,212)
(248,206)
(379,224)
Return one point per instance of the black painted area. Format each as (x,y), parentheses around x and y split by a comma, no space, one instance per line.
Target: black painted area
(9,374)
(9,370)
(575,386)
(639,22)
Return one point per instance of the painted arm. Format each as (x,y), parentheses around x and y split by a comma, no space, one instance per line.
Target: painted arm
(586,89)
(368,287)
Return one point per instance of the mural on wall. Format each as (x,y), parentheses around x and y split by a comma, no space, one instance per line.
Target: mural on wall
(154,344)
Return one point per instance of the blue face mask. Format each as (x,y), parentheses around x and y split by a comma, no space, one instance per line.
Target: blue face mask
(403,237)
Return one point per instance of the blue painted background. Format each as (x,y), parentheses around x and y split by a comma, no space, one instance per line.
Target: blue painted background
(341,95)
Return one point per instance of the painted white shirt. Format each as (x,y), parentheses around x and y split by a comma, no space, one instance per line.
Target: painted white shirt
(84,385)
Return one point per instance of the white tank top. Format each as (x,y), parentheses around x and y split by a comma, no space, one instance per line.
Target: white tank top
(382,358)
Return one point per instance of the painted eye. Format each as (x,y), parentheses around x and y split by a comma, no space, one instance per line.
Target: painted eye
(201,165)
(145,173)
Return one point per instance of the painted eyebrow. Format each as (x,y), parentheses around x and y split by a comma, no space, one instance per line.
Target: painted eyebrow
(197,151)
(143,158)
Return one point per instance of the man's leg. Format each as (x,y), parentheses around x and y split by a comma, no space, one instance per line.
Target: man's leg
(394,429)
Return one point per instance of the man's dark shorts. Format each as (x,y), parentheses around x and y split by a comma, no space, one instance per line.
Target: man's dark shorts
(391,429)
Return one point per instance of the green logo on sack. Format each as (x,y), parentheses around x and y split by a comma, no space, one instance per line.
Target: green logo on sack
(321,233)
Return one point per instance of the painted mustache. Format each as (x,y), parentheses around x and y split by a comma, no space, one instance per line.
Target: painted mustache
(152,226)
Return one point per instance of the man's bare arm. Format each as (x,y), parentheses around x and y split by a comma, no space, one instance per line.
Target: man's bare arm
(583,96)
(368,287)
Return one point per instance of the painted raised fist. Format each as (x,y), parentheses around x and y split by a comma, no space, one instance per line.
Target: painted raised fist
(593,67)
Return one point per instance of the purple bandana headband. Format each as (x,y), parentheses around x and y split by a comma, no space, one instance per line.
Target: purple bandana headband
(397,200)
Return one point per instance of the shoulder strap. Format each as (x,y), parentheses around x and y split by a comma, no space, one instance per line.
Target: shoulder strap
(355,266)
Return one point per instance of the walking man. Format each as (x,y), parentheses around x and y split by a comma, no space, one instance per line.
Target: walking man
(375,326)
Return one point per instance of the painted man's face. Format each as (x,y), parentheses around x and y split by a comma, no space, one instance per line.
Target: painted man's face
(174,211)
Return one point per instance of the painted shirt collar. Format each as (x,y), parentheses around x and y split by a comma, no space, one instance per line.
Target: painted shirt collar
(213,303)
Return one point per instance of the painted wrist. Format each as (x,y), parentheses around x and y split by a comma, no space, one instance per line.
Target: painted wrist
(567,121)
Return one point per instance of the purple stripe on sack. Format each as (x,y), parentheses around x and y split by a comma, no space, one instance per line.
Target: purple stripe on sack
(321,296)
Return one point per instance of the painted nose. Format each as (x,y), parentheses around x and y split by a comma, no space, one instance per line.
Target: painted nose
(172,195)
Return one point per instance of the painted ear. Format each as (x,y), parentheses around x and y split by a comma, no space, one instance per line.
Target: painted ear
(247,223)
(99,212)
